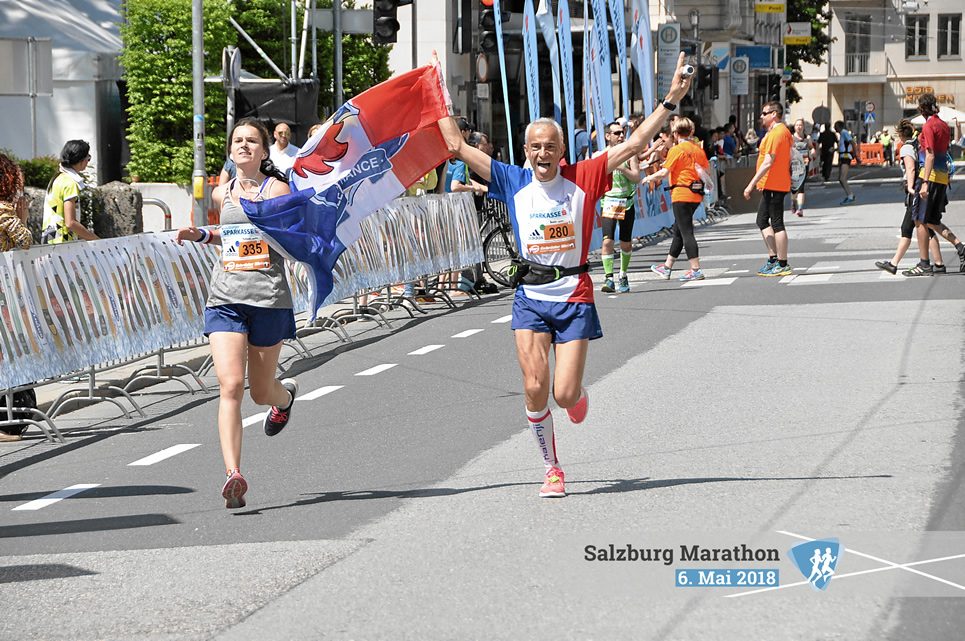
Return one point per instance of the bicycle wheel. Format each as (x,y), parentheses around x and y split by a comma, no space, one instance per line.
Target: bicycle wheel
(499,249)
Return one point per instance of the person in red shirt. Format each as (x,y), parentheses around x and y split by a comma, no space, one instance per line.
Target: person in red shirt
(681,166)
(931,187)
(773,180)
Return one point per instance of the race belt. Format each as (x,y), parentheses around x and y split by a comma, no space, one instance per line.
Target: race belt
(526,272)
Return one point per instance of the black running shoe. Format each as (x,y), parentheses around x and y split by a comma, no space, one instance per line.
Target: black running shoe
(278,417)
(887,266)
(939,269)
(961,258)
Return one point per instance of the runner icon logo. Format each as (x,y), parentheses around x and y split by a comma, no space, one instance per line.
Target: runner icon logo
(817,560)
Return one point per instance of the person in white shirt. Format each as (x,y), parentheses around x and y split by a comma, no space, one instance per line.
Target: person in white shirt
(283,153)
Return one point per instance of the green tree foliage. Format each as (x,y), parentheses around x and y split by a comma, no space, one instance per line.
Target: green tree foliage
(819,15)
(158,70)
(269,22)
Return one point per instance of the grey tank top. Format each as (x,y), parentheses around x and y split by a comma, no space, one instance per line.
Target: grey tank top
(259,287)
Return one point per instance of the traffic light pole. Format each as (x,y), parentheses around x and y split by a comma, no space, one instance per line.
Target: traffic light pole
(337,34)
(199,215)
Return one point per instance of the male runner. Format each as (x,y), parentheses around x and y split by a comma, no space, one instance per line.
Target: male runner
(552,212)
(773,180)
(617,208)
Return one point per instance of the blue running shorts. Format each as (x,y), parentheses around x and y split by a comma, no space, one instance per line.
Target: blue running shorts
(565,321)
(265,326)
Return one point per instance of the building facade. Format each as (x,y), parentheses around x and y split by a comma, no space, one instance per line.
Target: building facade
(885,54)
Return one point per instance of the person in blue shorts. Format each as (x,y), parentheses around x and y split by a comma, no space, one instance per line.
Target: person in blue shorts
(249,309)
(552,210)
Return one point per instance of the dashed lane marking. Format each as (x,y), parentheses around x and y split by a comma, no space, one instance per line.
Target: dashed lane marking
(372,371)
(503,319)
(157,457)
(426,350)
(56,497)
(321,391)
(710,282)
(810,279)
(251,420)
(467,333)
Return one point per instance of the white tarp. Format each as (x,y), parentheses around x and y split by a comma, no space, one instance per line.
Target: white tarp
(947,114)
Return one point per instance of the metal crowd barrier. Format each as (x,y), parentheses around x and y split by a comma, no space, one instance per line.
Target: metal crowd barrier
(85,307)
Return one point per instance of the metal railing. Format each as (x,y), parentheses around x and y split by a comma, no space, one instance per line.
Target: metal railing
(857,63)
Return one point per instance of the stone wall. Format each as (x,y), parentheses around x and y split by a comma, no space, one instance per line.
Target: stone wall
(116,210)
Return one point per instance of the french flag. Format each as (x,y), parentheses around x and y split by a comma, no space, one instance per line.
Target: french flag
(372,148)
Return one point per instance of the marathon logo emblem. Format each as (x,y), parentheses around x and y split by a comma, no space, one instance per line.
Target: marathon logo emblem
(817,560)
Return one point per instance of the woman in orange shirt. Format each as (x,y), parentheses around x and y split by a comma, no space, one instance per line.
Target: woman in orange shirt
(686,195)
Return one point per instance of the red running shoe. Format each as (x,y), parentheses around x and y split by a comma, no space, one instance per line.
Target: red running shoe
(553,485)
(277,418)
(577,413)
(234,490)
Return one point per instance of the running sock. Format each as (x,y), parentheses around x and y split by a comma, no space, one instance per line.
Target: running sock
(624,262)
(772,259)
(925,264)
(607,265)
(959,247)
(782,263)
(541,424)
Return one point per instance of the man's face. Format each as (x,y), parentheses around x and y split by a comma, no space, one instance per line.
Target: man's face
(615,135)
(485,146)
(768,116)
(283,134)
(544,149)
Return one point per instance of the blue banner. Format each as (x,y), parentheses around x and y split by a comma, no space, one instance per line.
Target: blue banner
(641,52)
(589,102)
(604,93)
(620,35)
(566,63)
(502,75)
(532,62)
(547,27)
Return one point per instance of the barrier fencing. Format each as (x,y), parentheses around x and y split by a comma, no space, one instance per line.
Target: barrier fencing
(67,308)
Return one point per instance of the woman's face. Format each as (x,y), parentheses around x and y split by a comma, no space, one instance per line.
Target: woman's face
(247,146)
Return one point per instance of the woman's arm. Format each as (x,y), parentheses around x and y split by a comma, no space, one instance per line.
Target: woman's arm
(74,225)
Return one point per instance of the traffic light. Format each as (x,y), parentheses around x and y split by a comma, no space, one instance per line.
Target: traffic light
(385,25)
(487,25)
(708,76)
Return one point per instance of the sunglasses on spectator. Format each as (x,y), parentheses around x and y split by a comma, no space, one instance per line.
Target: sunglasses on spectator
(618,133)
(766,113)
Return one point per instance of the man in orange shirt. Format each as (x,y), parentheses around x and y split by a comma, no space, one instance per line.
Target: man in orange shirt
(773,180)
(687,194)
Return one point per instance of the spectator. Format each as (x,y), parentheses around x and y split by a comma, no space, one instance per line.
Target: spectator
(886,144)
(13,207)
(13,234)
(283,153)
(826,141)
(582,139)
(62,214)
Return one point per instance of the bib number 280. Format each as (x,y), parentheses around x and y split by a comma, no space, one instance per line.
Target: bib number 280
(558,231)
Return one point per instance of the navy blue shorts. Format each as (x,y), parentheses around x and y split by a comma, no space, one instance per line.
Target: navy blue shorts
(265,326)
(565,321)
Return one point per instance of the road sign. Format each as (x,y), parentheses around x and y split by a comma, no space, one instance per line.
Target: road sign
(769,6)
(739,76)
(797,33)
(869,117)
(869,106)
(353,20)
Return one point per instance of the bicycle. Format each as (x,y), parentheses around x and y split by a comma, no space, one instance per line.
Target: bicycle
(499,244)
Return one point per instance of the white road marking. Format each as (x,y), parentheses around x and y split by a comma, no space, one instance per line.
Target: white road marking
(321,391)
(787,279)
(821,268)
(57,496)
(467,333)
(709,282)
(892,277)
(503,319)
(157,457)
(738,271)
(372,371)
(614,296)
(426,350)
(251,420)
(809,279)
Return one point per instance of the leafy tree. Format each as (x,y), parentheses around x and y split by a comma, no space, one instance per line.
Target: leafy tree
(819,15)
(157,60)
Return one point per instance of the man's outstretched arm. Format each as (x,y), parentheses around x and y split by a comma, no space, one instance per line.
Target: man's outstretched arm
(643,134)
(478,161)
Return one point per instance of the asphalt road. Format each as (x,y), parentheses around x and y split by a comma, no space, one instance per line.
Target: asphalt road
(402,504)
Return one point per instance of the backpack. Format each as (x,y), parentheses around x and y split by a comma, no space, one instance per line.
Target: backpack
(798,169)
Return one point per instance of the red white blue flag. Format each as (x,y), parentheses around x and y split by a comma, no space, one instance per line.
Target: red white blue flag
(370,150)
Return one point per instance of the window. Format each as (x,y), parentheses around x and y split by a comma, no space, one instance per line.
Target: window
(949,36)
(857,43)
(916,36)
